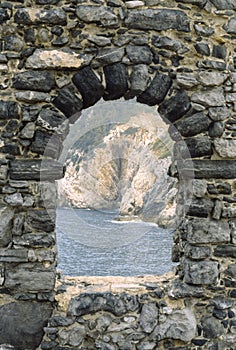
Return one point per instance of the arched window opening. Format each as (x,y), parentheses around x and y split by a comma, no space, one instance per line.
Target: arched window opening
(116,207)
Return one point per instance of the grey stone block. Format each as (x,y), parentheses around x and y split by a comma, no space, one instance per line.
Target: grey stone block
(201,272)
(22,323)
(207,231)
(6,219)
(29,277)
(33,80)
(158,19)
(36,169)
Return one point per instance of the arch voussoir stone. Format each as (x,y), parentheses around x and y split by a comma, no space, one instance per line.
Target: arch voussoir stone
(57,59)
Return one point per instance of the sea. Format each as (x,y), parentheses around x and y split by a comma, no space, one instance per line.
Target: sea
(95,243)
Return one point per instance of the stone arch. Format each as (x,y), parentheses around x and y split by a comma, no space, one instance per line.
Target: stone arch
(179,56)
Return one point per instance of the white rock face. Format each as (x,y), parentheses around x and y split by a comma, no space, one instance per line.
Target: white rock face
(126,171)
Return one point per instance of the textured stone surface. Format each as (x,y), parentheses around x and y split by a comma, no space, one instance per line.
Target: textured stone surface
(212,327)
(196,147)
(116,81)
(47,144)
(149,317)
(207,231)
(216,169)
(226,148)
(177,106)
(139,54)
(139,79)
(33,80)
(230,26)
(53,121)
(224,4)
(46,59)
(99,13)
(39,16)
(108,56)
(9,109)
(210,98)
(202,272)
(89,86)
(67,102)
(156,91)
(6,215)
(91,303)
(193,125)
(158,19)
(13,255)
(41,220)
(36,169)
(179,324)
(27,334)
(31,277)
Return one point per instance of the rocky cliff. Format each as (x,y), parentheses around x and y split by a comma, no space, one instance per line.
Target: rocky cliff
(122,166)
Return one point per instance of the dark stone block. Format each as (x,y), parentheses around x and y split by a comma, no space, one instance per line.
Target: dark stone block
(212,327)
(158,19)
(220,314)
(207,169)
(56,321)
(116,81)
(199,342)
(139,54)
(199,147)
(202,49)
(36,169)
(156,91)
(54,121)
(219,51)
(29,35)
(29,278)
(47,144)
(89,86)
(67,102)
(222,303)
(193,125)
(176,107)
(179,289)
(200,207)
(33,80)
(25,334)
(41,220)
(36,240)
(13,255)
(94,302)
(216,129)
(50,17)
(4,16)
(200,272)
(9,109)
(231,271)
(232,293)
(10,148)
(228,251)
(193,147)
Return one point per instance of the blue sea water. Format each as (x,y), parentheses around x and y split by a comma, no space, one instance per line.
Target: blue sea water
(92,242)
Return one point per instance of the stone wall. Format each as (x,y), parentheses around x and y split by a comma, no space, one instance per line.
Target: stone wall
(59,57)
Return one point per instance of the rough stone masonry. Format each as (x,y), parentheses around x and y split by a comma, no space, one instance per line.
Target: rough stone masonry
(59,57)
